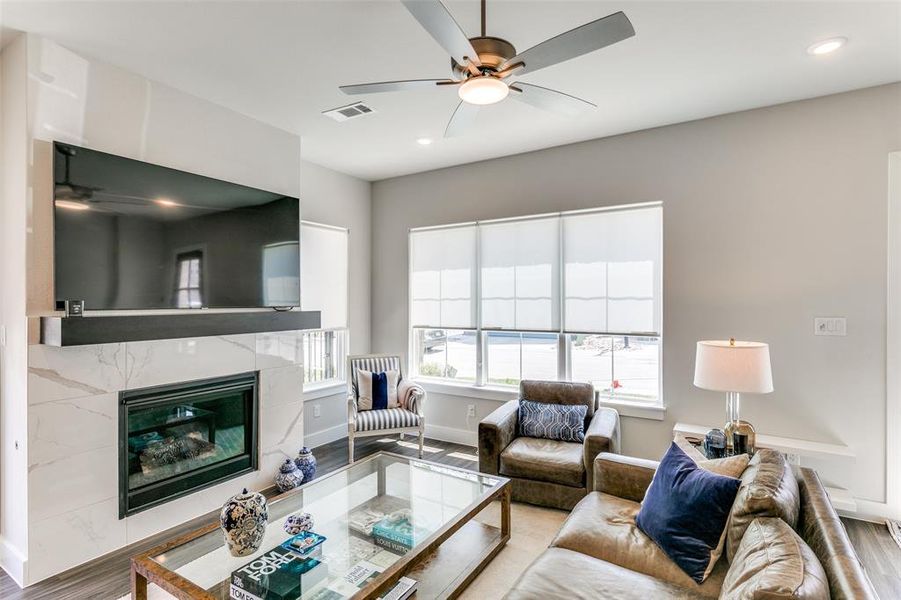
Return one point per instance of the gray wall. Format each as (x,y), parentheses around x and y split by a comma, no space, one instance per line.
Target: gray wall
(771,217)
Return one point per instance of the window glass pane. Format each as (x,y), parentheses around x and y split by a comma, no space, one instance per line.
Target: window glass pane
(636,367)
(446,353)
(323,356)
(539,356)
(591,357)
(502,354)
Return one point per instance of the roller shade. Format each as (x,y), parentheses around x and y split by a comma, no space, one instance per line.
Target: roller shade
(612,271)
(443,278)
(323,272)
(520,274)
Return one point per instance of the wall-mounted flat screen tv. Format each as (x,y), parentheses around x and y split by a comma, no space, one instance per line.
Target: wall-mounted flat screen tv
(132,235)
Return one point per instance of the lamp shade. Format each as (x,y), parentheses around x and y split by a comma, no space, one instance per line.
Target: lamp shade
(730,366)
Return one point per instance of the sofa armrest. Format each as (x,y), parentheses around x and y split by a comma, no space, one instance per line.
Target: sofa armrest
(496,431)
(602,436)
(623,476)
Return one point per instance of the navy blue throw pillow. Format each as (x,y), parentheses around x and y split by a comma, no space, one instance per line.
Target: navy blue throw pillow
(685,511)
(563,422)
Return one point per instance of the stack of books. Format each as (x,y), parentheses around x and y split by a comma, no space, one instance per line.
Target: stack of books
(283,573)
(397,533)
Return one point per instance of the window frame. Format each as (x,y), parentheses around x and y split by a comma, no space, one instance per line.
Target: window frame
(564,338)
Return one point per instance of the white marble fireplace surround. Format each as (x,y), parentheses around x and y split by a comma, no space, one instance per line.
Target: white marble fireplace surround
(73,503)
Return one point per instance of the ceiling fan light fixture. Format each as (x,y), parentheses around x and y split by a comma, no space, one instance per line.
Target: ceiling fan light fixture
(483,90)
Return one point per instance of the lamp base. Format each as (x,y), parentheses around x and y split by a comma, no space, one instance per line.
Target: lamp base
(740,437)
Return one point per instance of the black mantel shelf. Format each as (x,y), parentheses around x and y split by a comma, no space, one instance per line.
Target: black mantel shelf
(81,331)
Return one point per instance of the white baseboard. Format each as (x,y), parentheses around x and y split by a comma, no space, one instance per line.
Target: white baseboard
(330,434)
(867,510)
(13,562)
(451,434)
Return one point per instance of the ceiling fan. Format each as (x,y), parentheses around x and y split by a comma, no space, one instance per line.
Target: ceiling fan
(483,68)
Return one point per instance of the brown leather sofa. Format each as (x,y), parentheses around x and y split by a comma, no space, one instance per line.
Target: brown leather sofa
(784,540)
(547,472)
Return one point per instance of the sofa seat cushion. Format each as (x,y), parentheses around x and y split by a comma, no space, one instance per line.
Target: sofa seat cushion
(603,526)
(768,489)
(772,562)
(544,460)
(388,418)
(560,573)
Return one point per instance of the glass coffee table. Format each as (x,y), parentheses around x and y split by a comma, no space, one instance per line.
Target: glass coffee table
(446,547)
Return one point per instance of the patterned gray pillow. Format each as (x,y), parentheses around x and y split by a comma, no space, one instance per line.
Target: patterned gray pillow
(564,422)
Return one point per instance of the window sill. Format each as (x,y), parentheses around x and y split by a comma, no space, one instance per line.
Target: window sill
(625,408)
(332,388)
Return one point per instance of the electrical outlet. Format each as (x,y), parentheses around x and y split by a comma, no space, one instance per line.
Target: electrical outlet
(830,326)
(471,410)
(2,335)
(317,410)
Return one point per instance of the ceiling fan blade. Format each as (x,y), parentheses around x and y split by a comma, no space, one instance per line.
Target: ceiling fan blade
(548,99)
(436,19)
(576,42)
(462,119)
(393,86)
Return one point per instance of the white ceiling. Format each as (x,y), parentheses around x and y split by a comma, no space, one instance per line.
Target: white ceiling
(282,62)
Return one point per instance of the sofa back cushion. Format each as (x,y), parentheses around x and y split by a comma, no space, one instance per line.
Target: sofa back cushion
(685,511)
(559,392)
(561,422)
(768,489)
(772,562)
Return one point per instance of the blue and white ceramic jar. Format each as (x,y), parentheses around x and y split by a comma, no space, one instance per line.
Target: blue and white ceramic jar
(306,462)
(298,523)
(243,520)
(289,476)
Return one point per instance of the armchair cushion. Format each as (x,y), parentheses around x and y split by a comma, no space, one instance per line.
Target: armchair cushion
(544,460)
(377,391)
(565,423)
(389,418)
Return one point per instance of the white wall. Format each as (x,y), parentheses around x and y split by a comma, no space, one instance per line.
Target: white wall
(13,335)
(337,199)
(771,217)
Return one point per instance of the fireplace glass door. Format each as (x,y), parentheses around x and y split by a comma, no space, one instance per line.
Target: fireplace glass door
(176,439)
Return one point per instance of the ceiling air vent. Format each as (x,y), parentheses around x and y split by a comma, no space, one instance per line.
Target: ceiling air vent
(351,111)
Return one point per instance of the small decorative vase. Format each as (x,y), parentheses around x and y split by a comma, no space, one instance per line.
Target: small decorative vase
(289,476)
(243,520)
(298,523)
(306,462)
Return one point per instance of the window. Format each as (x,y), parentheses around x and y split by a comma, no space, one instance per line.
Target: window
(324,287)
(572,296)
(188,292)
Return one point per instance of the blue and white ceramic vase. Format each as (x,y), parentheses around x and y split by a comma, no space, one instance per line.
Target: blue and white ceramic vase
(298,523)
(306,462)
(243,520)
(289,476)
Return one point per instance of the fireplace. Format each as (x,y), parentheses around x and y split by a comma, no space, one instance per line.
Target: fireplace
(177,439)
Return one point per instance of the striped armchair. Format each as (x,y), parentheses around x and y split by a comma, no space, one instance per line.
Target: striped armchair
(408,418)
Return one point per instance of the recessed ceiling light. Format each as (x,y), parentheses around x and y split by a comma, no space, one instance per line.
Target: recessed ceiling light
(165,202)
(827,46)
(424,141)
(72,205)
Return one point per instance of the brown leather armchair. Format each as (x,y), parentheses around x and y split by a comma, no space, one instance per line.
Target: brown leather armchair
(547,472)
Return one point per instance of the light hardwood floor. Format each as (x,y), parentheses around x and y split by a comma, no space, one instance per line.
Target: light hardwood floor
(108,578)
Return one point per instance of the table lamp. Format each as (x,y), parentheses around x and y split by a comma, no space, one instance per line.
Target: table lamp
(735,368)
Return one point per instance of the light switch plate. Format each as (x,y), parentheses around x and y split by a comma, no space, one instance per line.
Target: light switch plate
(830,326)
